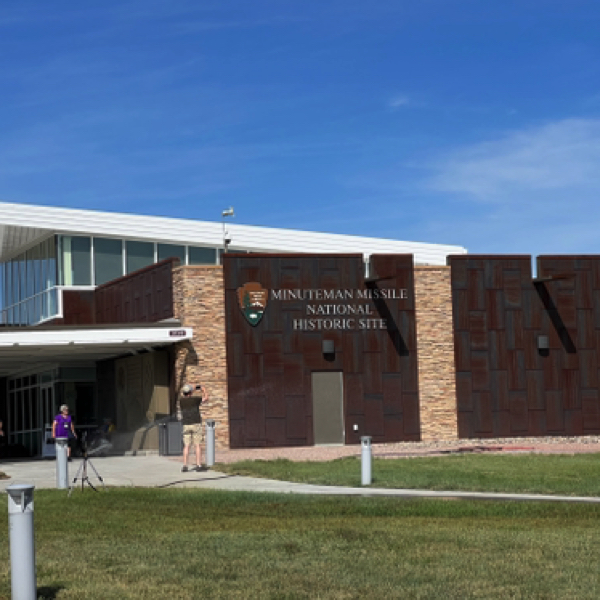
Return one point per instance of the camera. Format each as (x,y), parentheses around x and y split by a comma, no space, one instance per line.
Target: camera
(199,387)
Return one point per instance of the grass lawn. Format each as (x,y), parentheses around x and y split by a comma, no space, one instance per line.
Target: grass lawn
(576,475)
(144,543)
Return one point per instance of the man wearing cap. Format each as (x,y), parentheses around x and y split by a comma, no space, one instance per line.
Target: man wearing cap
(63,427)
(191,419)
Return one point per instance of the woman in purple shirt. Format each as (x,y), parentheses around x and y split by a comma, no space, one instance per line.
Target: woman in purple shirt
(63,426)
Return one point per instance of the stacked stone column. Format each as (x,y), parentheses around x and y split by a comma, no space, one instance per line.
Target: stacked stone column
(435,346)
(199,303)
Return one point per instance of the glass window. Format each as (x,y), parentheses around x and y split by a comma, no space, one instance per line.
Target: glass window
(50,263)
(15,281)
(26,395)
(22,278)
(44,265)
(77,373)
(30,273)
(80,398)
(35,424)
(46,377)
(76,260)
(50,304)
(66,270)
(19,423)
(108,260)
(7,285)
(13,412)
(37,309)
(36,261)
(2,286)
(139,255)
(19,314)
(171,251)
(84,403)
(202,256)
(81,257)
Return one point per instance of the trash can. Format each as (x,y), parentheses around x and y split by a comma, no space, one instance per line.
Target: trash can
(170,438)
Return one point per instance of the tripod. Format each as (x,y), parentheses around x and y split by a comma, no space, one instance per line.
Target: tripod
(82,472)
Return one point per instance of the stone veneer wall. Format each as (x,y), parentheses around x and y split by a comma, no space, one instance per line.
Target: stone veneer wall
(199,302)
(435,347)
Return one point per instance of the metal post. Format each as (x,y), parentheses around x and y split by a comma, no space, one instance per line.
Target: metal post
(62,464)
(210,443)
(22,546)
(365,442)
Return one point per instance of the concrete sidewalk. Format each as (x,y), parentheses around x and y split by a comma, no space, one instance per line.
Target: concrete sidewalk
(165,472)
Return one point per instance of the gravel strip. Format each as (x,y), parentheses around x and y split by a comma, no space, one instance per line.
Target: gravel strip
(541,445)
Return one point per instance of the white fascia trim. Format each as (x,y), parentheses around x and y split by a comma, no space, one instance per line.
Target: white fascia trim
(203,233)
(91,337)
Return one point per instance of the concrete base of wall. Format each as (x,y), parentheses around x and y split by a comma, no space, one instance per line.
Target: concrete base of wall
(144,438)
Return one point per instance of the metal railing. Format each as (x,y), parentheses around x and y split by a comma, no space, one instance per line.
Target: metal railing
(36,309)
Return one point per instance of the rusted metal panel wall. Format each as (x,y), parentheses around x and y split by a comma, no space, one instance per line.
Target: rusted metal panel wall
(506,385)
(571,298)
(270,365)
(145,296)
(78,308)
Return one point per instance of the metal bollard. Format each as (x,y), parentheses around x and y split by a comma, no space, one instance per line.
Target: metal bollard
(22,543)
(62,464)
(210,443)
(365,442)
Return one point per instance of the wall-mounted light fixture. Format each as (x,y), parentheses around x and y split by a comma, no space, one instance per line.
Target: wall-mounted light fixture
(543,342)
(328,348)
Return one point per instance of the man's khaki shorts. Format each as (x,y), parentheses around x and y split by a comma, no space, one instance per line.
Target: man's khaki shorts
(193,434)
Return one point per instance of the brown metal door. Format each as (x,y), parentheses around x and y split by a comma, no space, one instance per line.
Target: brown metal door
(328,407)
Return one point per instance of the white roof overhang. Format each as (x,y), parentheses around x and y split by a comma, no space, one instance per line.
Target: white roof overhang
(25,349)
(23,224)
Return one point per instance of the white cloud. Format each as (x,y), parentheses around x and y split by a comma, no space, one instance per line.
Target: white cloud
(399,101)
(532,191)
(557,158)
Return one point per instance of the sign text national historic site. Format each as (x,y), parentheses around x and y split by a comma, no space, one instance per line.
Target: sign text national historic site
(350,309)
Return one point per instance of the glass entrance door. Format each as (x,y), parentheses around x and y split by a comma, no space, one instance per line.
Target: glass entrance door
(47,412)
(26,425)
(47,409)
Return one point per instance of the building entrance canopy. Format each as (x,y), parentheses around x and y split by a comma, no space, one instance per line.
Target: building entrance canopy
(23,349)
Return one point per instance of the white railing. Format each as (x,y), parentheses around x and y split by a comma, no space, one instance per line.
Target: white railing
(34,310)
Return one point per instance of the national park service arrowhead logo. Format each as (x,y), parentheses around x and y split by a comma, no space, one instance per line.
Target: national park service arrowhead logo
(253,299)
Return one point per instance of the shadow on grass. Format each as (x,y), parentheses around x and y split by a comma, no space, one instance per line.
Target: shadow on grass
(49,592)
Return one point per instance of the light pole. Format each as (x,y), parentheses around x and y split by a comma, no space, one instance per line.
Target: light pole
(226,239)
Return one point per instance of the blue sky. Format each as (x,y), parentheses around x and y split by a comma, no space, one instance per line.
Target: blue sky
(449,121)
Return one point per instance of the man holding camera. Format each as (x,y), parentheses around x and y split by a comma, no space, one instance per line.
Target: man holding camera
(191,419)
